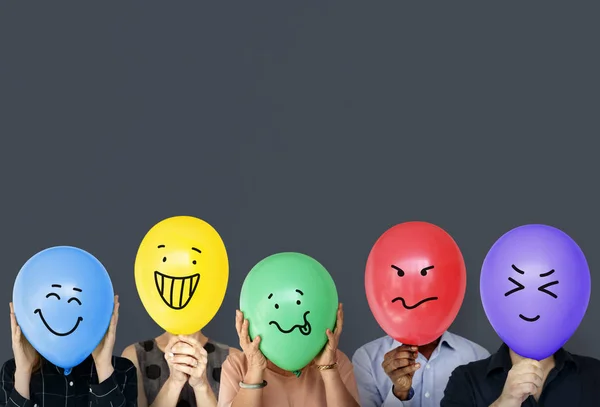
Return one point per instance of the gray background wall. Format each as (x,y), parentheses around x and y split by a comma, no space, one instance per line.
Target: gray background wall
(308,127)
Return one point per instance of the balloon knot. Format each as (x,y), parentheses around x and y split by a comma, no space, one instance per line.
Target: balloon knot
(297,372)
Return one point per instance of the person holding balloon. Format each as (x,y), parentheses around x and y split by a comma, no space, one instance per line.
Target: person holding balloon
(415,282)
(63,326)
(535,288)
(289,325)
(181,273)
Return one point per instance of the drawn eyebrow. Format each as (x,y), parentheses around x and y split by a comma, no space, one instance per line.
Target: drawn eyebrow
(56,285)
(547,274)
(517,270)
(160,246)
(427,268)
(196,250)
(514,290)
(299,292)
(543,289)
(77,289)
(270,295)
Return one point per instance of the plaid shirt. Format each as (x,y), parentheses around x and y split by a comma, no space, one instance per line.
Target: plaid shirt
(49,386)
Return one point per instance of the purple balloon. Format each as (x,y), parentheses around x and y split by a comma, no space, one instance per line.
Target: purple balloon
(535,288)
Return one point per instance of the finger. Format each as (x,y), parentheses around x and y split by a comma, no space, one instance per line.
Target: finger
(181,348)
(407,370)
(184,360)
(399,349)
(13,320)
(189,340)
(172,341)
(245,337)
(396,364)
(403,355)
(526,389)
(340,321)
(256,343)
(531,378)
(184,368)
(239,319)
(331,339)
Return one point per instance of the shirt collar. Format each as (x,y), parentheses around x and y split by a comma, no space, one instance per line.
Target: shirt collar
(501,360)
(447,339)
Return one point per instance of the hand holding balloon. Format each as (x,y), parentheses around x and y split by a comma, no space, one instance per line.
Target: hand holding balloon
(525,378)
(399,364)
(188,356)
(104,351)
(25,355)
(256,359)
(176,376)
(329,354)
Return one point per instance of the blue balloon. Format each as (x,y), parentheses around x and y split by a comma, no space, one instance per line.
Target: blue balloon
(63,301)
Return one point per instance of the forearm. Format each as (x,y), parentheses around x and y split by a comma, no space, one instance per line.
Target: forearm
(205,396)
(22,381)
(336,393)
(250,397)
(168,396)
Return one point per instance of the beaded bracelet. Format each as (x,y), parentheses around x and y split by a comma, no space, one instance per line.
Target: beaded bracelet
(253,386)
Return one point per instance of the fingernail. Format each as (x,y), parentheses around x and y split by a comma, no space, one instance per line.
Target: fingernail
(413,347)
(417,364)
(171,355)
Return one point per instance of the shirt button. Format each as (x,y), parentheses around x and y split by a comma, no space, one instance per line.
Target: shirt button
(427,395)
(71,384)
(427,366)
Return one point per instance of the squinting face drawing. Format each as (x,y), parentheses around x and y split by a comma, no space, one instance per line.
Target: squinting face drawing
(533,288)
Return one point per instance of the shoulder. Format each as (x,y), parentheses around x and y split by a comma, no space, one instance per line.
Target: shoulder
(373,350)
(472,350)
(587,364)
(122,364)
(234,365)
(9,366)
(474,369)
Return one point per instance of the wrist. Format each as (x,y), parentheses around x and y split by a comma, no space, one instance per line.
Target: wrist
(329,374)
(23,372)
(254,375)
(174,385)
(401,394)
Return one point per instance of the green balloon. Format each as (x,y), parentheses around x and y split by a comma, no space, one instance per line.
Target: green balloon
(289,300)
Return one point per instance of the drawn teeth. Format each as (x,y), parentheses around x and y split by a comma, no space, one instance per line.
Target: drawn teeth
(176,292)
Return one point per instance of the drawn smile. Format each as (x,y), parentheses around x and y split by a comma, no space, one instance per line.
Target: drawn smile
(413,306)
(524,318)
(79,319)
(176,292)
(304,329)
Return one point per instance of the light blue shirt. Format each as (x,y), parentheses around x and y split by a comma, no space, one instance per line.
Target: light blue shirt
(429,382)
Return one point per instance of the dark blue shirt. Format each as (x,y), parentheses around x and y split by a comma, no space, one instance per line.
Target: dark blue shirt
(573,382)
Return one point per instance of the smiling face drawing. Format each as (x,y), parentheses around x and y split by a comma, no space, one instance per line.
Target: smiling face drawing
(544,288)
(304,328)
(535,289)
(63,300)
(176,292)
(181,273)
(53,295)
(415,280)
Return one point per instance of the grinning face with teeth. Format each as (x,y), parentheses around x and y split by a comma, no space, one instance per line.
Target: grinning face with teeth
(181,273)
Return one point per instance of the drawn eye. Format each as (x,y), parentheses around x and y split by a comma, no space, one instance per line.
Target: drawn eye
(276,306)
(514,290)
(424,271)
(53,295)
(550,293)
(398,270)
(298,302)
(164,259)
(74,299)
(194,262)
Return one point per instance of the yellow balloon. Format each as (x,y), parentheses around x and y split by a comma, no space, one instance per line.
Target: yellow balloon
(181,274)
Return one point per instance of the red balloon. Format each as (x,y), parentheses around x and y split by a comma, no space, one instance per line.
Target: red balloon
(415,281)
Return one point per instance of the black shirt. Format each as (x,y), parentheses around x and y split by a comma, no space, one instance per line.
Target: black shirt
(573,382)
(49,386)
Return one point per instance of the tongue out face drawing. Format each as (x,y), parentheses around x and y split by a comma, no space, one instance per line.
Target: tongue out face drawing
(181,273)
(289,300)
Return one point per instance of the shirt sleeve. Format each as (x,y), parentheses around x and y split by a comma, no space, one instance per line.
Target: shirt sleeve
(347,375)
(9,397)
(458,390)
(110,394)
(231,375)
